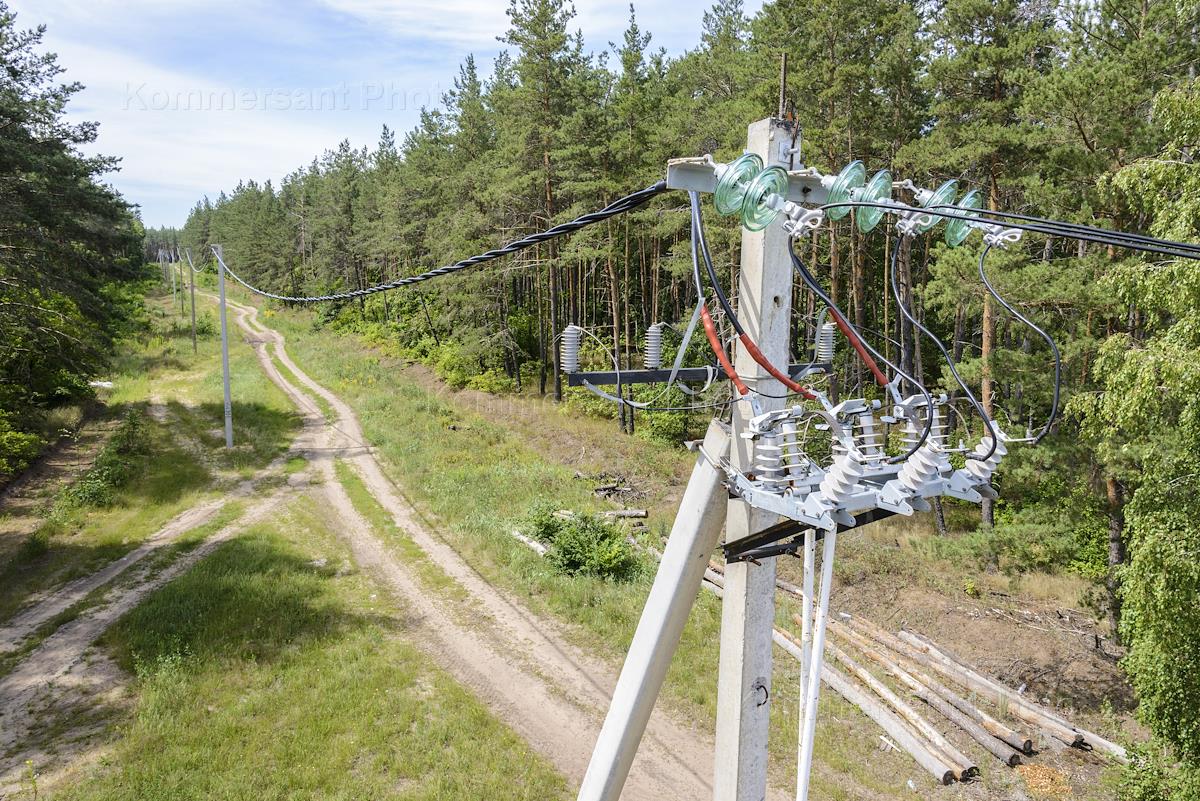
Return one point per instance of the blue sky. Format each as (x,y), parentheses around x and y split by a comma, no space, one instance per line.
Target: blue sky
(194,95)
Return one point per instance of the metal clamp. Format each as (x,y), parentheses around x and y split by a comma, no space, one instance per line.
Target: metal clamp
(801,221)
(998,235)
(912,221)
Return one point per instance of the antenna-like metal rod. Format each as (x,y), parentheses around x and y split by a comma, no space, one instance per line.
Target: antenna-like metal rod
(224,349)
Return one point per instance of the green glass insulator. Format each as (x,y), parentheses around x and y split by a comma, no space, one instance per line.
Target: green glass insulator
(757,212)
(877,190)
(734,180)
(958,230)
(850,178)
(941,196)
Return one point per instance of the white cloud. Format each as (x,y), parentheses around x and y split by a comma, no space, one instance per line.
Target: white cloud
(466,23)
(195,95)
(173,142)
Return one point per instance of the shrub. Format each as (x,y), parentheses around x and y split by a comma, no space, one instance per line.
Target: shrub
(115,465)
(541,522)
(582,545)
(17,449)
(588,546)
(34,545)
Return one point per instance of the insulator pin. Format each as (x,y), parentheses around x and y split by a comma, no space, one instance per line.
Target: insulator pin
(572,336)
(652,356)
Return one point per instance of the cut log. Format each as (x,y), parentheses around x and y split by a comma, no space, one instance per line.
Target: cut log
(994,727)
(1090,738)
(940,666)
(960,763)
(641,513)
(924,753)
(1009,700)
(1000,750)
(530,543)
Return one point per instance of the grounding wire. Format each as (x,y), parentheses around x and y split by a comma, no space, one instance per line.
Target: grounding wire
(1049,341)
(627,203)
(893,273)
(815,286)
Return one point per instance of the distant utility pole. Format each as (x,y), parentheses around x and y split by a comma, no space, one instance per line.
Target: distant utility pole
(224,347)
(192,283)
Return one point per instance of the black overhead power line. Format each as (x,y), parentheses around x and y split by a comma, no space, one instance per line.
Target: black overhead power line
(627,203)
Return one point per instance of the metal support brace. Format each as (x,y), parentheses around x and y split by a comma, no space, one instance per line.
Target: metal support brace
(694,536)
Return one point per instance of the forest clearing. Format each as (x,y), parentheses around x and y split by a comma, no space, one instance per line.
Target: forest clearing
(803,409)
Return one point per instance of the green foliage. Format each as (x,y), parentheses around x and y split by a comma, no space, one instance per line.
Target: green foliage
(36,544)
(1152,775)
(116,465)
(17,448)
(583,544)
(541,523)
(65,239)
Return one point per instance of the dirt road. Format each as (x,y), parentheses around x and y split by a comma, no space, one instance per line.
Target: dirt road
(523,667)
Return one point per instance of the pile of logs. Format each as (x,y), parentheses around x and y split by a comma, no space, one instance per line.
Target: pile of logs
(919,665)
(924,670)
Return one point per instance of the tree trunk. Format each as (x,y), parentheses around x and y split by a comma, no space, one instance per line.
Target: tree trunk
(1116,551)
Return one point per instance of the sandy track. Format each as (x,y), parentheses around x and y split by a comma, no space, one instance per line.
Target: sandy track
(62,662)
(523,667)
(56,601)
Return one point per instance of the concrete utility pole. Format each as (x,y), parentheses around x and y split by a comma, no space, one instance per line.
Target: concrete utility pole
(224,348)
(743,702)
(748,611)
(694,535)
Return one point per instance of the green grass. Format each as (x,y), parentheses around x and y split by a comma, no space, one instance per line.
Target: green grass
(325,406)
(184,460)
(266,672)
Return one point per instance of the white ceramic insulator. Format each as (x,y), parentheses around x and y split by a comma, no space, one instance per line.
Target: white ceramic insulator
(824,349)
(572,336)
(768,460)
(868,436)
(838,484)
(922,467)
(791,449)
(652,356)
(982,470)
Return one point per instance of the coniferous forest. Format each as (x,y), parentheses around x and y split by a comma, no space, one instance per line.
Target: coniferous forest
(69,245)
(1081,110)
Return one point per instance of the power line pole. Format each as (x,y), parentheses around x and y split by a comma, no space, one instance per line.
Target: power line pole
(744,685)
(224,348)
(748,610)
(192,284)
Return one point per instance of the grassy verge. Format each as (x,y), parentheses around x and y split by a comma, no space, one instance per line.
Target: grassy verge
(270,672)
(183,460)
(184,543)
